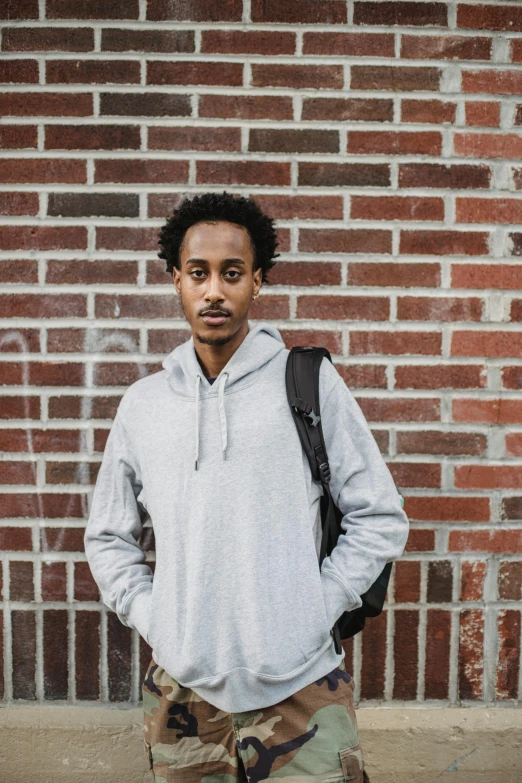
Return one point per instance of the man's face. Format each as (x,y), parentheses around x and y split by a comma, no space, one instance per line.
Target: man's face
(216,275)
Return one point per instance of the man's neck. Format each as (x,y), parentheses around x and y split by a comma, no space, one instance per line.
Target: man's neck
(212,358)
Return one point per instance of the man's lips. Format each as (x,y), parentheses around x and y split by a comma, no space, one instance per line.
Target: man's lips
(215,318)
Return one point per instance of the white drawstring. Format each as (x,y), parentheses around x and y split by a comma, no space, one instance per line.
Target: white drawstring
(222,416)
(198,379)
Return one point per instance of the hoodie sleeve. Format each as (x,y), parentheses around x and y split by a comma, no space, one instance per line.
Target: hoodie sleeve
(376,527)
(114,527)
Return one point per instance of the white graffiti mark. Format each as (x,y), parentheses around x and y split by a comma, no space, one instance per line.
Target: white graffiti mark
(95,342)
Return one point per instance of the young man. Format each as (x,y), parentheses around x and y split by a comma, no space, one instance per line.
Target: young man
(244,680)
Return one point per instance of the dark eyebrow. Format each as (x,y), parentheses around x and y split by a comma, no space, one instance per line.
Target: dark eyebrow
(226,261)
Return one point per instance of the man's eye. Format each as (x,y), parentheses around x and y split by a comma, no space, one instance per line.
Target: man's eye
(234,272)
(196,270)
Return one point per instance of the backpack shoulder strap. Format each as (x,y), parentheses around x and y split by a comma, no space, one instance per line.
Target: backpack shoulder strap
(302,387)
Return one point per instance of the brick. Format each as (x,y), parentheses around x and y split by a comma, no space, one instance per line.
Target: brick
(510,580)
(444,243)
(349,44)
(298,76)
(40,170)
(441,175)
(513,445)
(54,582)
(46,104)
(19,9)
(242,172)
(488,145)
(395,78)
(305,273)
(344,174)
(119,659)
(94,9)
(149,41)
(489,17)
(290,140)
(135,239)
(92,137)
(343,307)
(376,409)
(499,541)
(483,344)
(247,42)
(87,637)
(407,581)
(492,81)
(18,137)
(422,343)
(440,582)
(518,115)
(487,477)
(411,474)
(15,539)
(43,238)
(18,71)
(448,509)
(141,170)
(59,539)
(19,203)
(23,651)
(55,653)
(436,112)
(421,308)
(510,376)
(207,73)
(473,573)
(400,13)
(92,204)
(514,243)
(438,645)
(137,306)
(43,305)
(47,39)
(13,472)
(435,442)
(389,273)
(48,505)
(21,580)
(394,142)
(374,657)
(342,109)
(17,408)
(516,50)
(488,210)
(508,665)
(161,205)
(367,376)
(330,340)
(92,72)
(450,376)
(165,340)
(298,12)
(483,113)
(511,508)
(189,138)
(396,208)
(269,307)
(445,47)
(70,472)
(471,654)
(406,651)
(288,207)
(246,107)
(85,588)
(344,241)
(420,541)
(209,11)
(144,104)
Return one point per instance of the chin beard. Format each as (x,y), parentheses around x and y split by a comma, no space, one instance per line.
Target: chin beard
(213,340)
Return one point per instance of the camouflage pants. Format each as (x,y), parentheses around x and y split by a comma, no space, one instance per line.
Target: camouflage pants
(310,737)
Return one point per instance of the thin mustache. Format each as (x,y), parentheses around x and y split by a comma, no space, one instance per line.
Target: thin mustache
(214,312)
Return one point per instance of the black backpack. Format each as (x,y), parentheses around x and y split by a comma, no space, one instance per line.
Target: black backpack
(302,388)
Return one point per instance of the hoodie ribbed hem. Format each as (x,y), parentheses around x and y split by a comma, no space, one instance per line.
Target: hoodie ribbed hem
(336,597)
(138,612)
(242,690)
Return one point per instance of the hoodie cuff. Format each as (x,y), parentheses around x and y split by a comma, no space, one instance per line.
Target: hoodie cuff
(138,612)
(337,598)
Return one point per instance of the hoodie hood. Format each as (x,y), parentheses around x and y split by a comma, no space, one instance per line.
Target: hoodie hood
(186,378)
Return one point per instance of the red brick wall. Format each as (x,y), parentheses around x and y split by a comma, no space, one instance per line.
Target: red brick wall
(385,138)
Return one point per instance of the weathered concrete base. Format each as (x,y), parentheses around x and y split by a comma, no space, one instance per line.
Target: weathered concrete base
(416,745)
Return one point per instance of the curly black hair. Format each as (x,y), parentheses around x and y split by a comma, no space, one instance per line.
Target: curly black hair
(215,206)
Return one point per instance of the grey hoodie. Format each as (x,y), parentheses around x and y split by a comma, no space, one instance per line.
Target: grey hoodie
(237,608)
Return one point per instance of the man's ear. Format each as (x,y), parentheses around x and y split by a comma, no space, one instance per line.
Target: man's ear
(176,278)
(258,278)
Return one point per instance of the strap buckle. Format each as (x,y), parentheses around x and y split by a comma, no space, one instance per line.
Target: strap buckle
(302,407)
